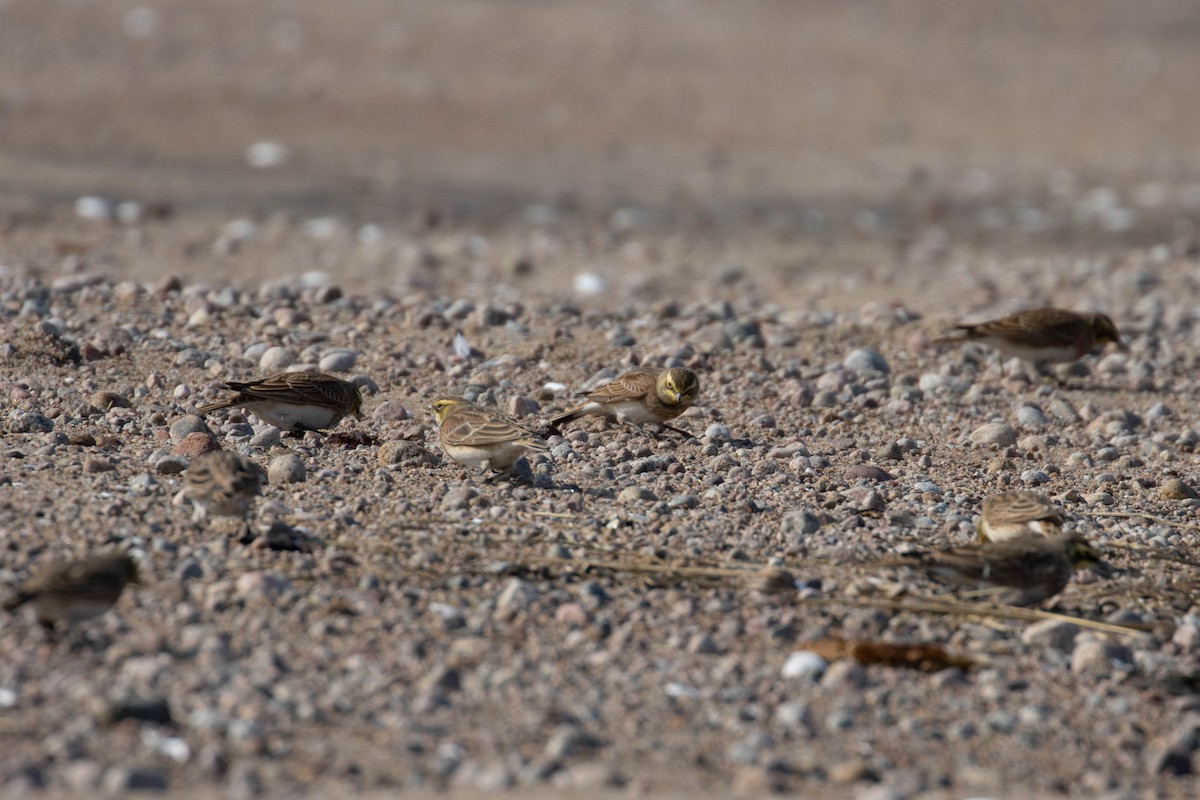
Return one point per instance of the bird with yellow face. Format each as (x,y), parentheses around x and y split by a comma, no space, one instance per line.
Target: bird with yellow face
(641,396)
(482,437)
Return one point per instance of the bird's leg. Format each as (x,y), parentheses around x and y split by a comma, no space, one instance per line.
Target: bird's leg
(1043,369)
(673,429)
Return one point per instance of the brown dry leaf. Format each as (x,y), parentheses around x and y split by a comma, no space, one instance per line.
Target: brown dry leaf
(351,439)
(918,655)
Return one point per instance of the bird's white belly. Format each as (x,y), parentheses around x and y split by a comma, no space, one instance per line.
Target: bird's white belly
(632,411)
(76,610)
(498,457)
(290,416)
(1034,355)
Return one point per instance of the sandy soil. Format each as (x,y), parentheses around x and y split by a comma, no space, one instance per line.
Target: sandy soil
(759,192)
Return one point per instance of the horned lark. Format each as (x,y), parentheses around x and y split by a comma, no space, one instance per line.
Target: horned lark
(640,396)
(1042,336)
(294,401)
(72,591)
(482,437)
(1012,515)
(222,484)
(1019,572)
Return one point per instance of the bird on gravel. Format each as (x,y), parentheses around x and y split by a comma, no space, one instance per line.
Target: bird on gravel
(1042,336)
(482,437)
(73,591)
(1019,572)
(221,484)
(1018,513)
(294,401)
(641,396)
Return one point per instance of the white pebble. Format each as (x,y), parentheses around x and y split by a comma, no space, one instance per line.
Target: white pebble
(590,284)
(315,279)
(140,22)
(1000,434)
(804,664)
(286,469)
(338,361)
(462,348)
(323,227)
(717,431)
(276,358)
(182,391)
(370,235)
(681,690)
(98,209)
(266,155)
(865,358)
(240,230)
(129,212)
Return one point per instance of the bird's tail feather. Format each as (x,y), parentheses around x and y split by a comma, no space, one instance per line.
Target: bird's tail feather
(217,406)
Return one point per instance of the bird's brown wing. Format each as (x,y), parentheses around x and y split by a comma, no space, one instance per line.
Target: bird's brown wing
(295,387)
(1043,327)
(82,578)
(474,430)
(1021,508)
(631,385)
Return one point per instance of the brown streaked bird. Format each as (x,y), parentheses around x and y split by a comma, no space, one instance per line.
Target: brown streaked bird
(294,401)
(482,437)
(73,591)
(1018,513)
(1042,336)
(1019,572)
(221,484)
(640,396)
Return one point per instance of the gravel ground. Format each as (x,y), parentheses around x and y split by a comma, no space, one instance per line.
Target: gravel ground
(606,624)
(792,199)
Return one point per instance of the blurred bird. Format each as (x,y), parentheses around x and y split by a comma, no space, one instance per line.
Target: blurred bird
(221,484)
(73,591)
(1042,336)
(482,437)
(294,401)
(640,396)
(1019,572)
(1012,515)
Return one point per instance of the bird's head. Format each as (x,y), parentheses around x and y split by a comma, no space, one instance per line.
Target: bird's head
(132,575)
(444,407)
(677,386)
(1082,555)
(1104,331)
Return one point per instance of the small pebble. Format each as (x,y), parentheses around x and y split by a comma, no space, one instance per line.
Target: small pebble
(1099,659)
(276,359)
(189,423)
(997,434)
(804,664)
(336,361)
(635,494)
(390,411)
(194,444)
(288,468)
(865,358)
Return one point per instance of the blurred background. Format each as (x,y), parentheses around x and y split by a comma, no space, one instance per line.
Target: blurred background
(1042,121)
